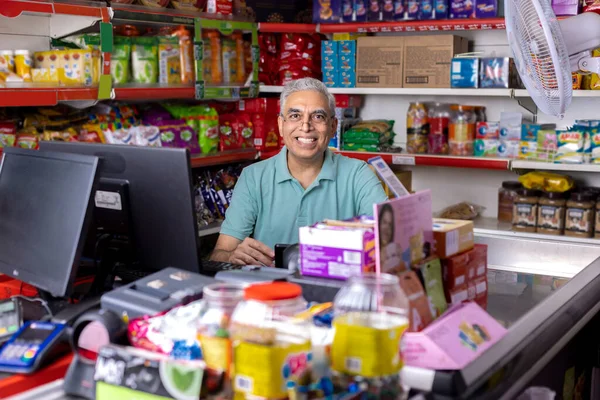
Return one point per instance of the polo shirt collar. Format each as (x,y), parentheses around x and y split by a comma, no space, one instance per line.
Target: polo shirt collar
(282,172)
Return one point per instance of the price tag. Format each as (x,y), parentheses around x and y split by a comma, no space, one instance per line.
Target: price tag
(403,160)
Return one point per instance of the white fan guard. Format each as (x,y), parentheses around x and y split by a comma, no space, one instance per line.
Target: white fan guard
(540,53)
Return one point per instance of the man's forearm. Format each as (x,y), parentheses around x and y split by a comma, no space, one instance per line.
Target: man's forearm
(220,255)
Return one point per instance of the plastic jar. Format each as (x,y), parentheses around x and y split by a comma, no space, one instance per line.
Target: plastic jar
(370,317)
(220,300)
(270,347)
(525,210)
(551,213)
(439,119)
(461,132)
(579,217)
(506,198)
(417,128)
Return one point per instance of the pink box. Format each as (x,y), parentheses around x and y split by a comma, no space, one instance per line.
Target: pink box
(452,341)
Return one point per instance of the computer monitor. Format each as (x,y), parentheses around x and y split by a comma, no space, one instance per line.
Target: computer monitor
(45,204)
(160,196)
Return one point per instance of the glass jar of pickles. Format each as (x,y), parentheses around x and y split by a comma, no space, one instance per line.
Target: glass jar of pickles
(371,314)
(271,348)
(220,300)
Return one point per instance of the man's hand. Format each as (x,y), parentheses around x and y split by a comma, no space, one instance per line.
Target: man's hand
(252,252)
(247,252)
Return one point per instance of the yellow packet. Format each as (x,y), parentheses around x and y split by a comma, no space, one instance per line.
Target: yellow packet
(23,63)
(169,60)
(547,181)
(10,77)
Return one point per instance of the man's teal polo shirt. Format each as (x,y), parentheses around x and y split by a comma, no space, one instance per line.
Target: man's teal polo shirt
(270,205)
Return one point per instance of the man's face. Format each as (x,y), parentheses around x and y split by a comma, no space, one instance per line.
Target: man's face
(307,124)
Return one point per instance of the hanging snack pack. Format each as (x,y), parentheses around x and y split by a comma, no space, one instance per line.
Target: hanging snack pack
(119,63)
(208,130)
(169,60)
(144,59)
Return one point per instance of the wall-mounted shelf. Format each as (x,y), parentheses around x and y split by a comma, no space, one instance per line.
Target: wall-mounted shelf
(408,92)
(225,157)
(44,96)
(275,27)
(416,26)
(432,160)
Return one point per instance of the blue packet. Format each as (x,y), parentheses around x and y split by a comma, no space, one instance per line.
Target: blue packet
(399,10)
(387,10)
(412,9)
(441,9)
(347,10)
(360,10)
(426,10)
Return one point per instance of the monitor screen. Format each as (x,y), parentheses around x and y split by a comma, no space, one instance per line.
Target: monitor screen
(44,202)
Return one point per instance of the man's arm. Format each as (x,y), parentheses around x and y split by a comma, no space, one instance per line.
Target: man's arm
(224,248)
(246,252)
(370,191)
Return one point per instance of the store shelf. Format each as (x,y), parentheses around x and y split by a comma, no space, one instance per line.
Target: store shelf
(15,8)
(275,27)
(44,96)
(154,92)
(141,15)
(226,157)
(210,229)
(416,26)
(547,166)
(433,161)
(408,92)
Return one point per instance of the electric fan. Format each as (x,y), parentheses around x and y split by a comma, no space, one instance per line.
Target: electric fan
(547,51)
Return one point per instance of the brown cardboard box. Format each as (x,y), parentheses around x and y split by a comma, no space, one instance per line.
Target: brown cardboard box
(427,60)
(452,236)
(379,61)
(420,312)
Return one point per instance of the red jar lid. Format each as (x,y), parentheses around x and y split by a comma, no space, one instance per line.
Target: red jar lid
(272,291)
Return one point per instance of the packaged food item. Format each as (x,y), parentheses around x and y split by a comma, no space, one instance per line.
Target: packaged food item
(464,72)
(367,336)
(510,126)
(461,133)
(417,144)
(417,119)
(529,132)
(551,213)
(208,130)
(525,210)
(27,140)
(211,61)
(506,198)
(547,181)
(228,132)
(91,133)
(169,60)
(496,72)
(431,274)
(579,215)
(188,5)
(144,59)
(23,64)
(452,236)
(154,3)
(375,125)
(546,143)
(439,120)
(186,47)
(220,301)
(7,60)
(437,144)
(577,80)
(8,77)
(266,136)
(528,150)
(441,9)
(460,211)
(508,148)
(230,60)
(119,62)
(270,346)
(486,147)
(223,7)
(8,134)
(462,9)
(570,146)
(412,9)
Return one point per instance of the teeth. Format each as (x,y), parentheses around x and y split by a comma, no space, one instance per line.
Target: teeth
(306,140)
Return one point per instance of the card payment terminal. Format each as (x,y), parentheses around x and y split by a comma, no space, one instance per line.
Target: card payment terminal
(31,345)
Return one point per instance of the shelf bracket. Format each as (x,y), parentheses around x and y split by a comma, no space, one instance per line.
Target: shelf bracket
(528,104)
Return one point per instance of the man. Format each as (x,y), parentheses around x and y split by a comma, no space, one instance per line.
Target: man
(304,184)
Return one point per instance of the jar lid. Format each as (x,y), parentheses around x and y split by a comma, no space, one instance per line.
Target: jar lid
(553,195)
(582,196)
(528,192)
(514,185)
(273,291)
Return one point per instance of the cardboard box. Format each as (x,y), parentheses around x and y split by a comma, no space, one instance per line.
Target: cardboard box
(347,62)
(379,61)
(464,73)
(452,341)
(329,48)
(325,11)
(337,251)
(452,236)
(427,60)
(487,130)
(347,79)
(347,48)
(331,78)
(454,271)
(419,313)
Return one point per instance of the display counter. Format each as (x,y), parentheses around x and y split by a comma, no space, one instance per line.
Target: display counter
(543,304)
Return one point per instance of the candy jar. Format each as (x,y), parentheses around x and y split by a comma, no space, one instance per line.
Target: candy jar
(220,300)
(271,348)
(370,317)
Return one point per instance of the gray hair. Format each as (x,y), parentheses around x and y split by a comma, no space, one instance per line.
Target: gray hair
(303,84)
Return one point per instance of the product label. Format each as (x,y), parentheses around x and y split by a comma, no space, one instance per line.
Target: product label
(524,215)
(551,217)
(263,371)
(216,352)
(360,349)
(579,220)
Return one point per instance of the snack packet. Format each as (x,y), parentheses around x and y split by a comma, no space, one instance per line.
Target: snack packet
(208,130)
(570,146)
(245,131)
(169,60)
(8,135)
(186,48)
(91,133)
(228,132)
(547,181)
(27,140)
(144,59)
(119,63)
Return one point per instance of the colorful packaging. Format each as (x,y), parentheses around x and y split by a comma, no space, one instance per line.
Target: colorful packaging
(186,46)
(222,7)
(419,314)
(347,10)
(211,58)
(441,9)
(529,132)
(570,147)
(547,142)
(595,148)
(23,64)
(452,236)
(144,59)
(169,60)
(495,72)
(464,73)
(399,10)
(266,131)
(8,134)
(487,130)
(412,9)
(486,147)
(347,78)
(437,144)
(327,11)
(338,249)
(399,248)
(426,10)
(7,61)
(374,12)
(461,9)
(329,48)
(486,8)
(528,150)
(208,130)
(387,10)
(26,140)
(454,340)
(347,48)
(431,274)
(510,125)
(230,60)
(119,62)
(360,10)
(565,7)
(508,148)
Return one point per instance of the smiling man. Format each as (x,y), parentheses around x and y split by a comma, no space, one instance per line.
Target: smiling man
(304,184)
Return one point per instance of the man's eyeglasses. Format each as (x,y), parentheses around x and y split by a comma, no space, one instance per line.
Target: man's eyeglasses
(316,120)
